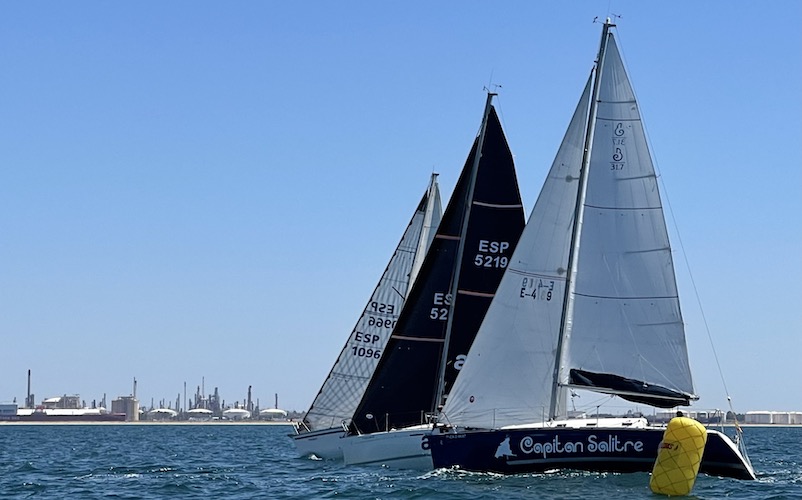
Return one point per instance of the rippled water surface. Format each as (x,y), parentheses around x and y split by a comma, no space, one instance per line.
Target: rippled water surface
(259,461)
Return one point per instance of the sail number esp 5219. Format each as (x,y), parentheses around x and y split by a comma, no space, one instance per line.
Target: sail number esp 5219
(490,254)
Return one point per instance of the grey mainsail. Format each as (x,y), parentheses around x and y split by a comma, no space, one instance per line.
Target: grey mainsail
(589,299)
(343,388)
(480,227)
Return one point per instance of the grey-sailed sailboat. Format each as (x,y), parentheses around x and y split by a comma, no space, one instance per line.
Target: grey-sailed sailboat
(589,301)
(331,411)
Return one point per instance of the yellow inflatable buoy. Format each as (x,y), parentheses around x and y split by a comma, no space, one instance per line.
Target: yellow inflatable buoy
(679,457)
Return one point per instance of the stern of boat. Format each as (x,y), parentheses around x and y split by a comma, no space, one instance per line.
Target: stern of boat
(400,448)
(723,457)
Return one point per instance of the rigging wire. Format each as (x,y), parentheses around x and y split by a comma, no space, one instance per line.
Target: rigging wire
(739,437)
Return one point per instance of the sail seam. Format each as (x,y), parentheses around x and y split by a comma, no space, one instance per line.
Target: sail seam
(536,275)
(446,237)
(626,298)
(382,315)
(496,205)
(346,377)
(627,101)
(637,177)
(622,209)
(476,294)
(416,339)
(618,119)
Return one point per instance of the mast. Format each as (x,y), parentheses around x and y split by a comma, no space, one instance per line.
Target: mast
(566,323)
(460,251)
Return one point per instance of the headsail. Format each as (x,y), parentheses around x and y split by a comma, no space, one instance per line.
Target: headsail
(508,374)
(345,384)
(404,386)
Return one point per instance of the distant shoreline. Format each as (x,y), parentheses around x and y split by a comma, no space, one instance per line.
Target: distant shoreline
(758,425)
(268,422)
(149,422)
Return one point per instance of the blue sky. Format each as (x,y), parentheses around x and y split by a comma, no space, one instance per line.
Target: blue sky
(208,189)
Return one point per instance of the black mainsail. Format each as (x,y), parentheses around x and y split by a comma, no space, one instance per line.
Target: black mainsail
(456,284)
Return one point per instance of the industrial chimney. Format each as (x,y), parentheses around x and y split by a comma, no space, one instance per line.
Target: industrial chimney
(29,397)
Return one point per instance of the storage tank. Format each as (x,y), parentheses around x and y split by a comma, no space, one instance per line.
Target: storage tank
(758,417)
(128,405)
(781,417)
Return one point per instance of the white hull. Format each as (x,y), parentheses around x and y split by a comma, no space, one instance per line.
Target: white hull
(397,448)
(324,443)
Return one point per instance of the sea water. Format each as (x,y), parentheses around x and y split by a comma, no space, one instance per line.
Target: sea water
(233,461)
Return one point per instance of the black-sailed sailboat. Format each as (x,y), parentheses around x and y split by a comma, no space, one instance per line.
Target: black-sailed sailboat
(478,232)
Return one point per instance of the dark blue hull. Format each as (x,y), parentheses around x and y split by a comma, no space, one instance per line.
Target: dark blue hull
(592,449)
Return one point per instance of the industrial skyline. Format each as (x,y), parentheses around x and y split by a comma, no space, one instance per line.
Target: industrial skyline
(183,401)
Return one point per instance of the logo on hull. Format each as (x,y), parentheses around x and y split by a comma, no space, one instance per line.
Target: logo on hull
(593,444)
(504,450)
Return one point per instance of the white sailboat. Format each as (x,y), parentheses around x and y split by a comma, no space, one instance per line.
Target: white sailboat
(480,227)
(589,301)
(331,411)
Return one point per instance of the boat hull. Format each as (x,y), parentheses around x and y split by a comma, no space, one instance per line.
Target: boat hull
(397,448)
(324,443)
(593,449)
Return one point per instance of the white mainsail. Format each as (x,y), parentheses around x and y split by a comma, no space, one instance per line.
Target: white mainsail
(621,330)
(343,388)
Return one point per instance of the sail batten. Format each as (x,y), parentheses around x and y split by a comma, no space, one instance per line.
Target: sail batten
(617,102)
(631,297)
(622,209)
(521,272)
(416,339)
(498,205)
(476,294)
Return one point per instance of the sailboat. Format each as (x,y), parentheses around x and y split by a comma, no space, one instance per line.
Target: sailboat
(456,284)
(589,301)
(324,423)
